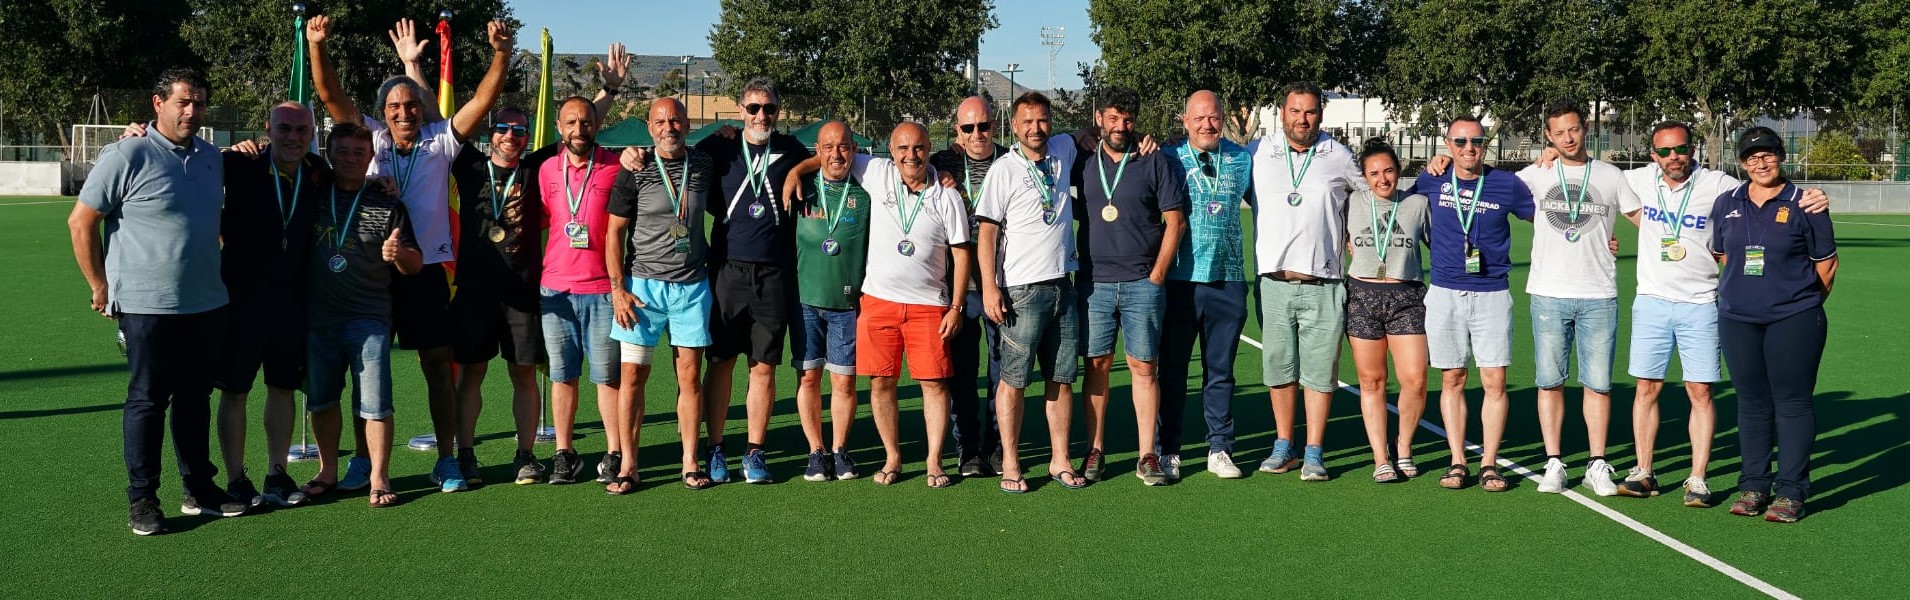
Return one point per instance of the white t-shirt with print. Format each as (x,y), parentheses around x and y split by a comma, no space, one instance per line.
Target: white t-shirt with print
(1694,278)
(1572,258)
(1032,249)
(1310,237)
(921,276)
(426,186)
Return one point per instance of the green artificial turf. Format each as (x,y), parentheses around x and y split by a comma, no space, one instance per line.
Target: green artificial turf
(62,380)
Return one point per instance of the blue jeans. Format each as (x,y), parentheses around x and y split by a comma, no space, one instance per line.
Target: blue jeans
(825,339)
(361,347)
(1561,325)
(1041,328)
(975,413)
(1131,308)
(576,325)
(1214,313)
(172,360)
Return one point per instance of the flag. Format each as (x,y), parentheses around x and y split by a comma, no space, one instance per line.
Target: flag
(300,88)
(542,134)
(446,109)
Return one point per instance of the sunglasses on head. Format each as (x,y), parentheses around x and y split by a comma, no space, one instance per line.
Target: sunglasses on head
(1469,141)
(982,127)
(754,108)
(1680,149)
(510,129)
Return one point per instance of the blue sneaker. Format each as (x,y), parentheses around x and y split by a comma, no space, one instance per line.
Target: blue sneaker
(1314,466)
(845,467)
(1281,460)
(754,469)
(719,466)
(357,474)
(447,476)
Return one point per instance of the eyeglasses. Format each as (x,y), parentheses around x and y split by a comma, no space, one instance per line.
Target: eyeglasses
(510,129)
(981,127)
(1462,142)
(754,108)
(1764,156)
(1680,149)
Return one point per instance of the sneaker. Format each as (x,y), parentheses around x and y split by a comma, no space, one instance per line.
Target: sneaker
(755,470)
(845,467)
(357,474)
(1314,468)
(280,490)
(145,517)
(445,475)
(1094,464)
(719,465)
(1598,476)
(1221,464)
(468,467)
(609,467)
(244,491)
(1170,465)
(994,463)
(212,502)
(1698,493)
(1149,470)
(1638,484)
(972,466)
(1281,460)
(1553,481)
(1750,504)
(817,469)
(564,466)
(1785,510)
(529,471)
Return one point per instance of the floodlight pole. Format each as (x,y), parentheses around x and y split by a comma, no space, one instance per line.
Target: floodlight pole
(1054,37)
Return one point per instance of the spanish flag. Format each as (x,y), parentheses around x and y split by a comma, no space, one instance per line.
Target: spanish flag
(447,108)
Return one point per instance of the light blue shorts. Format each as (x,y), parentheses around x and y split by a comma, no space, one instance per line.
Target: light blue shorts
(681,308)
(1658,325)
(1562,326)
(1462,326)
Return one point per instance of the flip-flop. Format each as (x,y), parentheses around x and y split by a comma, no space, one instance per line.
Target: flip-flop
(316,488)
(1020,486)
(887,477)
(376,494)
(939,481)
(690,478)
(630,485)
(1064,475)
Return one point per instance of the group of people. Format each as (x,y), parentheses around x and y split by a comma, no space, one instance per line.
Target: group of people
(1040,254)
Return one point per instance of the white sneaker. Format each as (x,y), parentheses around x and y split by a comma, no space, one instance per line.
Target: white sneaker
(1170,465)
(1553,482)
(1221,464)
(1598,476)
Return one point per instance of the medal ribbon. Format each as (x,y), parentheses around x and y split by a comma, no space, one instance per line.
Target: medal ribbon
(344,223)
(576,200)
(842,201)
(1574,201)
(298,181)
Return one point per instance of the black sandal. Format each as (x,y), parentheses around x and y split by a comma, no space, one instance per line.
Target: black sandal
(628,484)
(691,479)
(1065,475)
(887,477)
(1457,475)
(1489,476)
(318,489)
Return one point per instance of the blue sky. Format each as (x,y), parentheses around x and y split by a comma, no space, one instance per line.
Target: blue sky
(590,26)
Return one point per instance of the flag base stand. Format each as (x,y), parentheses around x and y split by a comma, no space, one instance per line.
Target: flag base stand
(302,453)
(423,443)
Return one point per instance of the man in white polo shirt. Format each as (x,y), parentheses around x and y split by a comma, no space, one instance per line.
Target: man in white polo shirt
(1301,181)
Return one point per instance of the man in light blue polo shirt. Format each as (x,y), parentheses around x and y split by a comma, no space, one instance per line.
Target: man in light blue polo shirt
(156,270)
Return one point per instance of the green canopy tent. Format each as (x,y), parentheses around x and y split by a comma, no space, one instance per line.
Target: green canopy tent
(626,133)
(807,135)
(710,129)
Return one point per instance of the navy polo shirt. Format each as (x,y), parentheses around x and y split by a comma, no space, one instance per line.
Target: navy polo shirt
(1501,197)
(1794,242)
(767,235)
(1125,249)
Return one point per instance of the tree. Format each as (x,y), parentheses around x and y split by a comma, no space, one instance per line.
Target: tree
(1833,156)
(59,53)
(1881,74)
(844,57)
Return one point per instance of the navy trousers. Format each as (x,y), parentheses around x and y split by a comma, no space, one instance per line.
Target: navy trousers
(1213,315)
(172,360)
(1774,371)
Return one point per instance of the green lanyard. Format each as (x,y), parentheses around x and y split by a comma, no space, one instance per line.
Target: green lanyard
(1219,162)
(576,200)
(902,207)
(842,201)
(1464,208)
(497,194)
(403,175)
(1677,219)
(968,176)
(344,223)
(1382,238)
(1118,171)
(756,172)
(1308,164)
(1574,201)
(674,191)
(298,181)
(1041,177)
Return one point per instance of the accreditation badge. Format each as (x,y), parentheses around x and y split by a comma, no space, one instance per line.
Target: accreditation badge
(1754,261)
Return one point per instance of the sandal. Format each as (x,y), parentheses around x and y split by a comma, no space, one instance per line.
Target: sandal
(383,499)
(1069,479)
(1406,467)
(887,477)
(1013,486)
(1385,474)
(1455,477)
(627,485)
(1492,481)
(316,488)
(939,480)
(697,480)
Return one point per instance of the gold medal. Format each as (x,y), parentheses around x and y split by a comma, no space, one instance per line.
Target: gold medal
(496,233)
(1382,271)
(1110,213)
(679,230)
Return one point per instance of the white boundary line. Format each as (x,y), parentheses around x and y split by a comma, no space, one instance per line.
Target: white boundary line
(1605,511)
(1871,224)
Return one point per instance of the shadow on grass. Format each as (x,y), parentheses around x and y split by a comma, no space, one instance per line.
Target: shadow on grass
(54,412)
(59,372)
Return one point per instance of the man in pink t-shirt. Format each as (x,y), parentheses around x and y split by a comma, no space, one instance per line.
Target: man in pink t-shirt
(575,303)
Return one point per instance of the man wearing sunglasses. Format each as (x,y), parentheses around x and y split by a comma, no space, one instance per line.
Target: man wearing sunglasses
(1206,286)
(964,166)
(1301,184)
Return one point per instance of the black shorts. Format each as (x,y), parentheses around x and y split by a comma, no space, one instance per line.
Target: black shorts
(421,309)
(264,332)
(489,323)
(1377,310)
(751,311)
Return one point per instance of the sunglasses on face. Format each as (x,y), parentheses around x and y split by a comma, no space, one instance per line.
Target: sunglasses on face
(1680,149)
(1461,142)
(981,127)
(510,129)
(762,108)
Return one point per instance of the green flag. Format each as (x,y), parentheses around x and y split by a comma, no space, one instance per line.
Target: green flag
(300,88)
(541,135)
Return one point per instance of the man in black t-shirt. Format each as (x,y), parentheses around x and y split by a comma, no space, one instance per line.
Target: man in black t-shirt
(963,166)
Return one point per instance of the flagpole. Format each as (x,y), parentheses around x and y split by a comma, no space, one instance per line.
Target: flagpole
(299,90)
(539,137)
(429,441)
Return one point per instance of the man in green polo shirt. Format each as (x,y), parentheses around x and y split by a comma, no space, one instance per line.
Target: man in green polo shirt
(832,243)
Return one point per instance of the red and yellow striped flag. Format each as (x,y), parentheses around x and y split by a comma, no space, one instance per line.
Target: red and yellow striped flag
(446,108)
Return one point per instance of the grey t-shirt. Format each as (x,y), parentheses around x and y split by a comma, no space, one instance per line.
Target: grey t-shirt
(650,251)
(362,289)
(1411,231)
(162,204)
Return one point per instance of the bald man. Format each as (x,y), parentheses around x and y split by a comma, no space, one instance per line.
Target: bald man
(832,248)
(655,252)
(1206,285)
(963,166)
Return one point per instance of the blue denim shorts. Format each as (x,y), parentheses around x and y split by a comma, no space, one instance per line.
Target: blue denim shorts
(576,324)
(1562,325)
(825,339)
(359,348)
(1134,309)
(1041,328)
